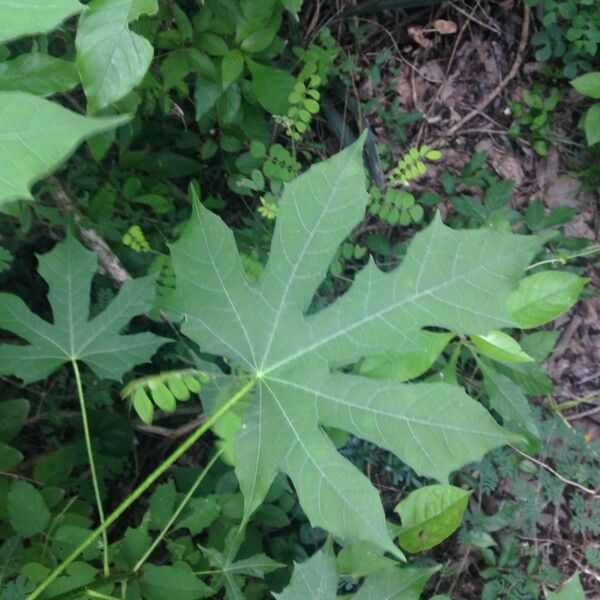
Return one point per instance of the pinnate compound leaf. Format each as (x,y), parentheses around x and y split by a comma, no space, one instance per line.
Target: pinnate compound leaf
(28,17)
(316,578)
(456,280)
(429,515)
(111,58)
(36,136)
(395,583)
(542,297)
(68,269)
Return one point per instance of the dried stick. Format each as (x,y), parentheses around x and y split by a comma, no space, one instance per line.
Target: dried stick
(500,87)
(109,262)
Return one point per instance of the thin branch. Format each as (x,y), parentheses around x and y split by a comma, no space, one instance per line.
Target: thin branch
(548,468)
(109,261)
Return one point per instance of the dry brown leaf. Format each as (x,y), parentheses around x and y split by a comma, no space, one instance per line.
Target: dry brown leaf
(445,27)
(416,33)
(507,166)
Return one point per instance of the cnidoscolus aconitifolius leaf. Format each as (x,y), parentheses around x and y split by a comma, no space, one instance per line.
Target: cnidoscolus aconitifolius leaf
(68,269)
(456,280)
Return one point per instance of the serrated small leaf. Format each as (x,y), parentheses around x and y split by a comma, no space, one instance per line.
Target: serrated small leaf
(542,297)
(198,515)
(500,346)
(429,515)
(28,514)
(316,578)
(28,17)
(111,58)
(162,505)
(37,136)
(158,583)
(68,269)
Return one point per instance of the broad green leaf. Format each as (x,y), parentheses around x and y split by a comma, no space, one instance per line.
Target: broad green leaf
(530,377)
(500,346)
(13,414)
(542,297)
(38,73)
(508,400)
(316,578)
(36,137)
(28,514)
(591,124)
(403,366)
(456,280)
(272,87)
(159,583)
(395,583)
(359,560)
(68,269)
(292,5)
(231,67)
(539,344)
(571,591)
(9,457)
(429,515)
(162,504)
(28,17)
(111,58)
(588,84)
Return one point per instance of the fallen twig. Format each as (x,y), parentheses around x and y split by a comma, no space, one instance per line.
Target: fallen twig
(500,87)
(109,261)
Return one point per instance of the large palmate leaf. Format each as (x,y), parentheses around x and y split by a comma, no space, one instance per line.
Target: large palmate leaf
(35,137)
(27,17)
(457,280)
(111,58)
(68,269)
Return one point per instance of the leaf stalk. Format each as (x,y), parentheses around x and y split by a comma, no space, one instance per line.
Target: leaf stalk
(129,500)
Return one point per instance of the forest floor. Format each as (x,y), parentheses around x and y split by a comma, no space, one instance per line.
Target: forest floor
(462,65)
